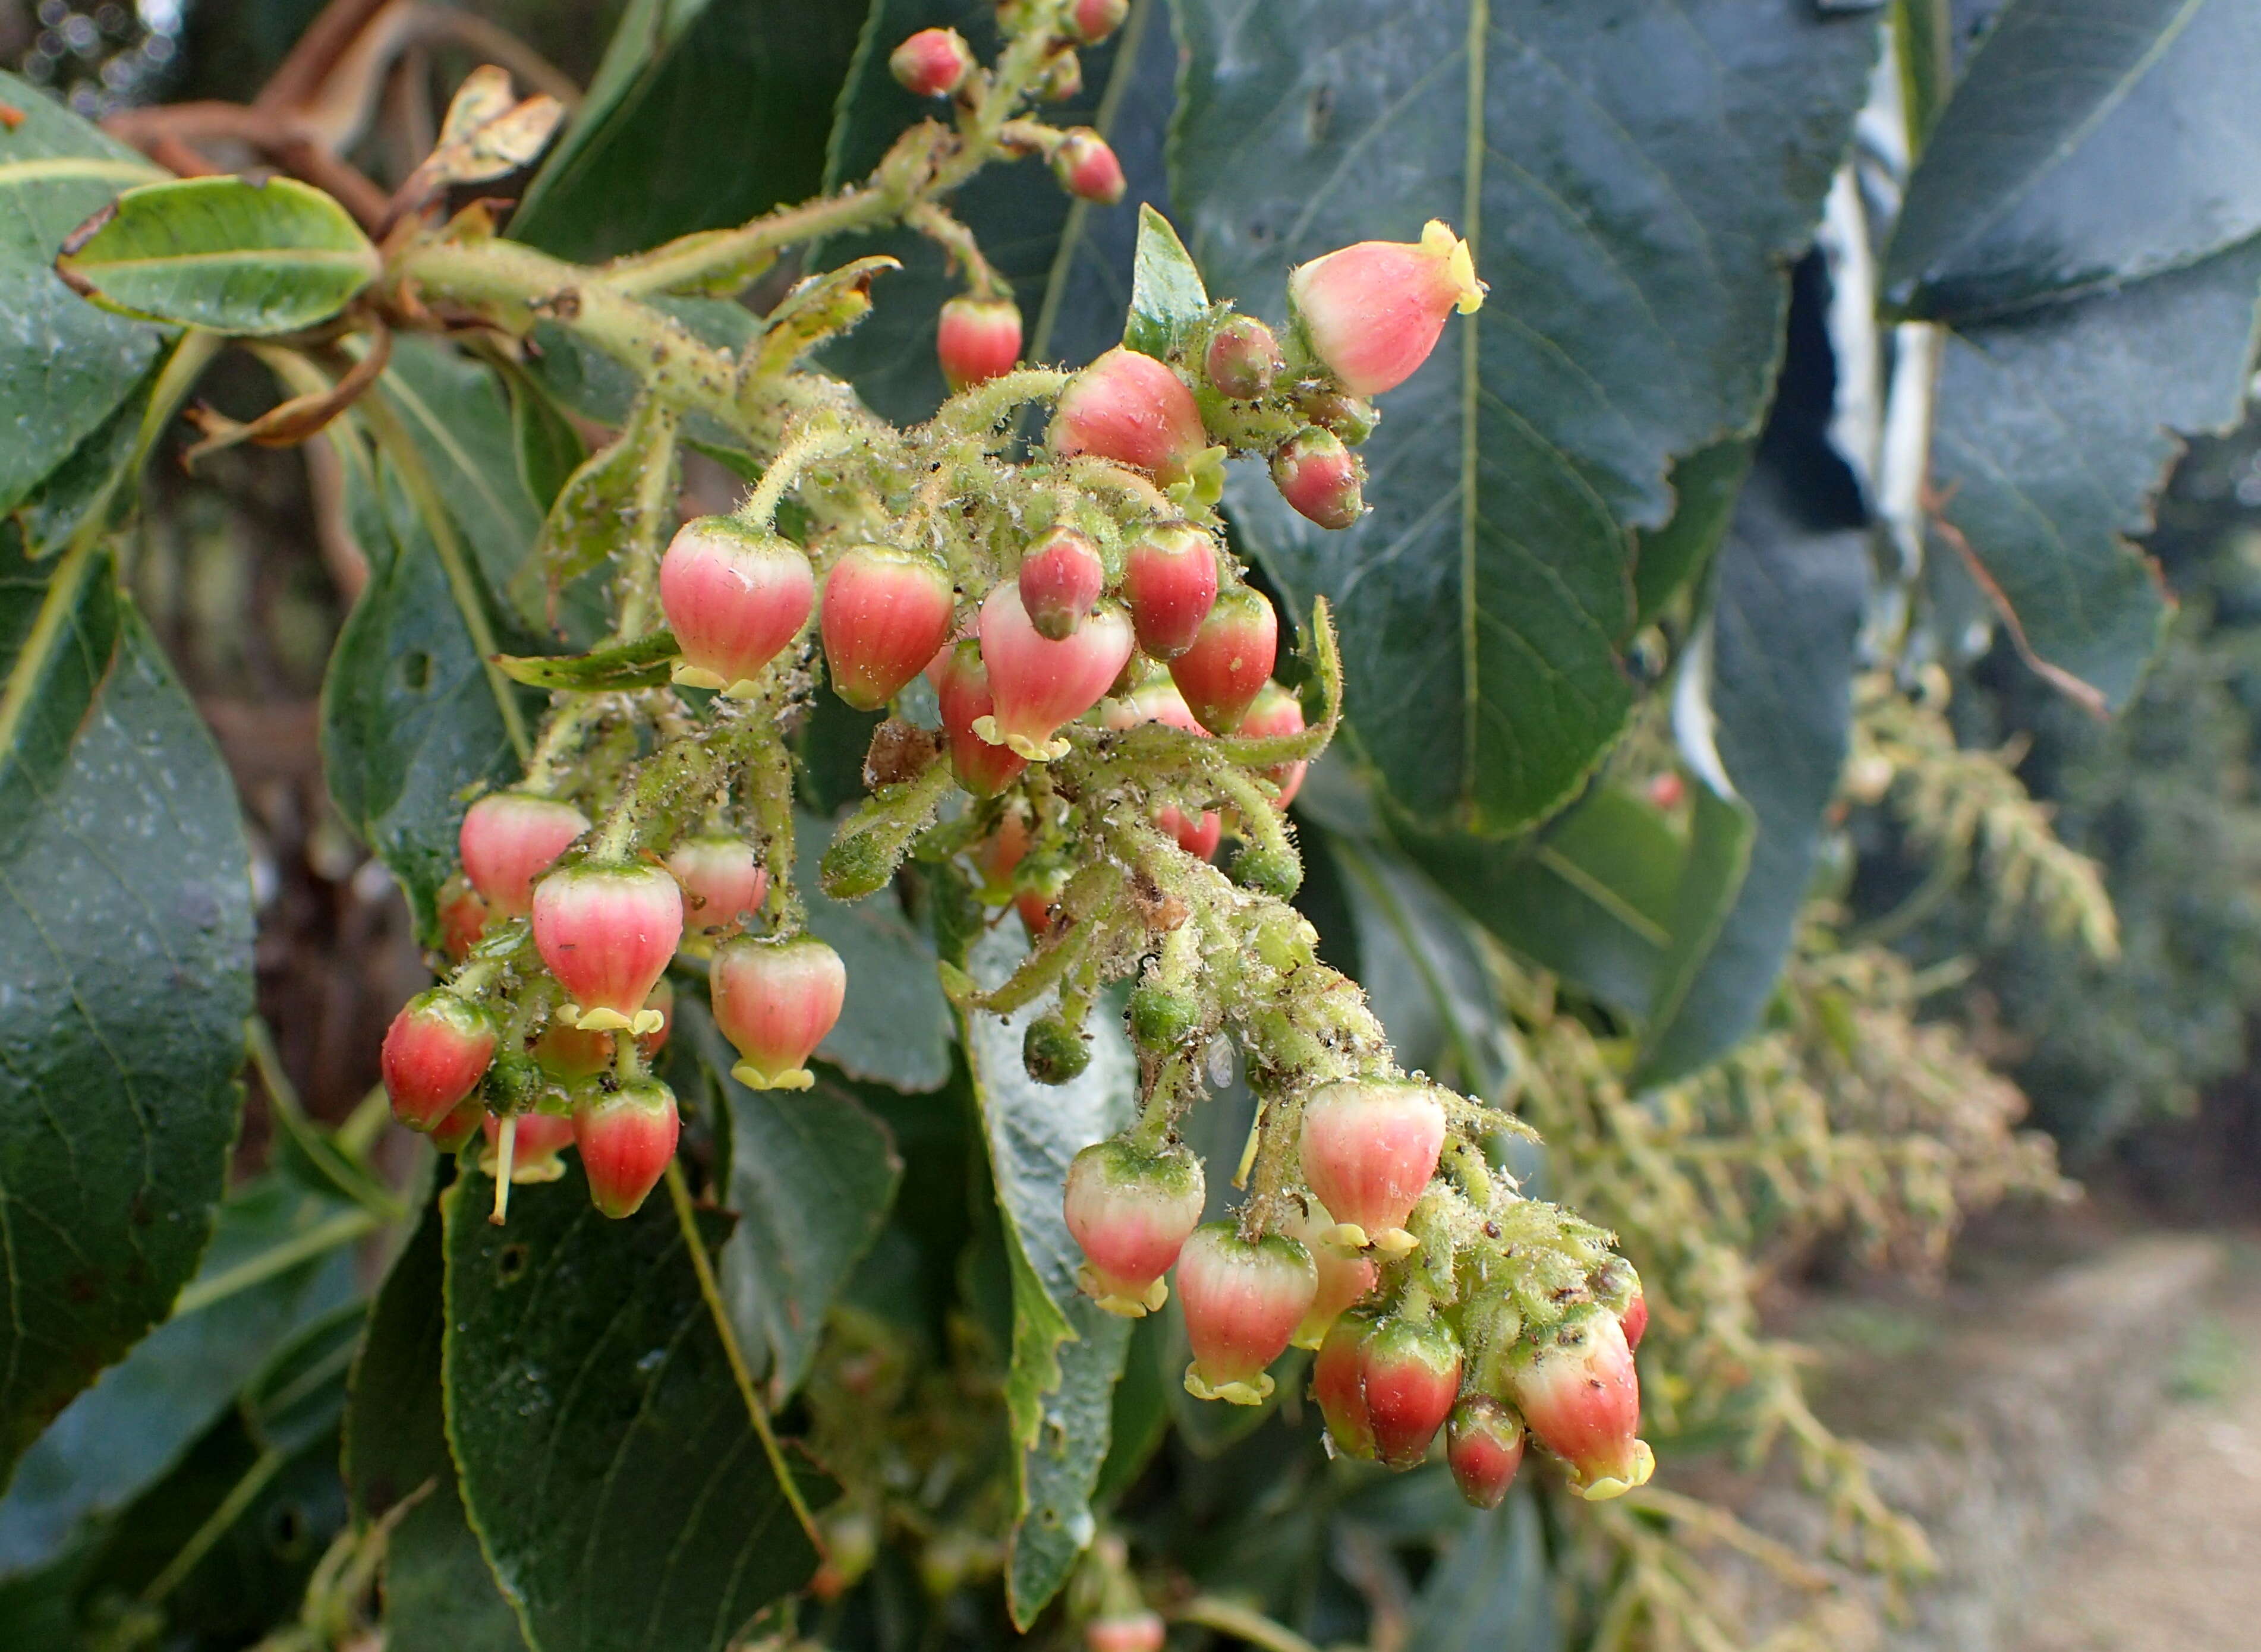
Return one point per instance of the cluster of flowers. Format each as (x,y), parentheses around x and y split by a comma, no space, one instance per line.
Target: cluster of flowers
(1394,1367)
(1102,672)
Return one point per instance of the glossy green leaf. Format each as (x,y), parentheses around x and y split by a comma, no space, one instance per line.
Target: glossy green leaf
(1067,1353)
(130,1426)
(1028,227)
(2054,430)
(1786,618)
(90,479)
(1590,895)
(65,366)
(703,113)
(1704,487)
(1494,1591)
(607,1461)
(2090,142)
(438,1595)
(223,253)
(1166,295)
(126,883)
(1644,171)
(812,1176)
(1721,834)
(644,663)
(410,712)
(896,1027)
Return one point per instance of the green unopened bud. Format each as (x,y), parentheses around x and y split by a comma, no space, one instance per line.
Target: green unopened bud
(1052,1051)
(1160,1020)
(1274,872)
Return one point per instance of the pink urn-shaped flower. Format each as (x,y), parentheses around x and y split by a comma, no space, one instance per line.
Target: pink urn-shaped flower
(1230,660)
(1130,1211)
(1345,1278)
(1579,1394)
(1242,1300)
(1412,1371)
(776,1000)
(1062,576)
(1275,711)
(1368,1150)
(1338,1381)
(1323,479)
(721,881)
(735,596)
(1484,1443)
(1169,583)
(1371,313)
(977,339)
(536,1139)
(508,838)
(625,1140)
(886,612)
(1131,409)
(1036,683)
(606,933)
(961,687)
(435,1052)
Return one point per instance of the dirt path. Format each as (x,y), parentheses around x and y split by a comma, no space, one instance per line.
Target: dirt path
(2172,1563)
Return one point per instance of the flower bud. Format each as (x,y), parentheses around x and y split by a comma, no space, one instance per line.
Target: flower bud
(435,1052)
(461,916)
(1092,21)
(1412,1371)
(1373,312)
(1051,1051)
(1037,684)
(1243,358)
(932,63)
(977,339)
(776,1000)
(1339,1383)
(1484,1443)
(1580,1398)
(735,596)
(535,1146)
(1230,658)
(1268,871)
(1061,577)
(1130,1211)
(886,612)
(1126,1631)
(606,934)
(1087,168)
(1242,1302)
(1060,79)
(1345,1277)
(1276,711)
(1169,583)
(1634,1320)
(1320,478)
(1160,1020)
(625,1140)
(1352,418)
(1368,1150)
(1133,409)
(721,881)
(961,687)
(511,838)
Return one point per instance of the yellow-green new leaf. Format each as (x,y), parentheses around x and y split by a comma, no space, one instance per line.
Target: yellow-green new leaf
(224,254)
